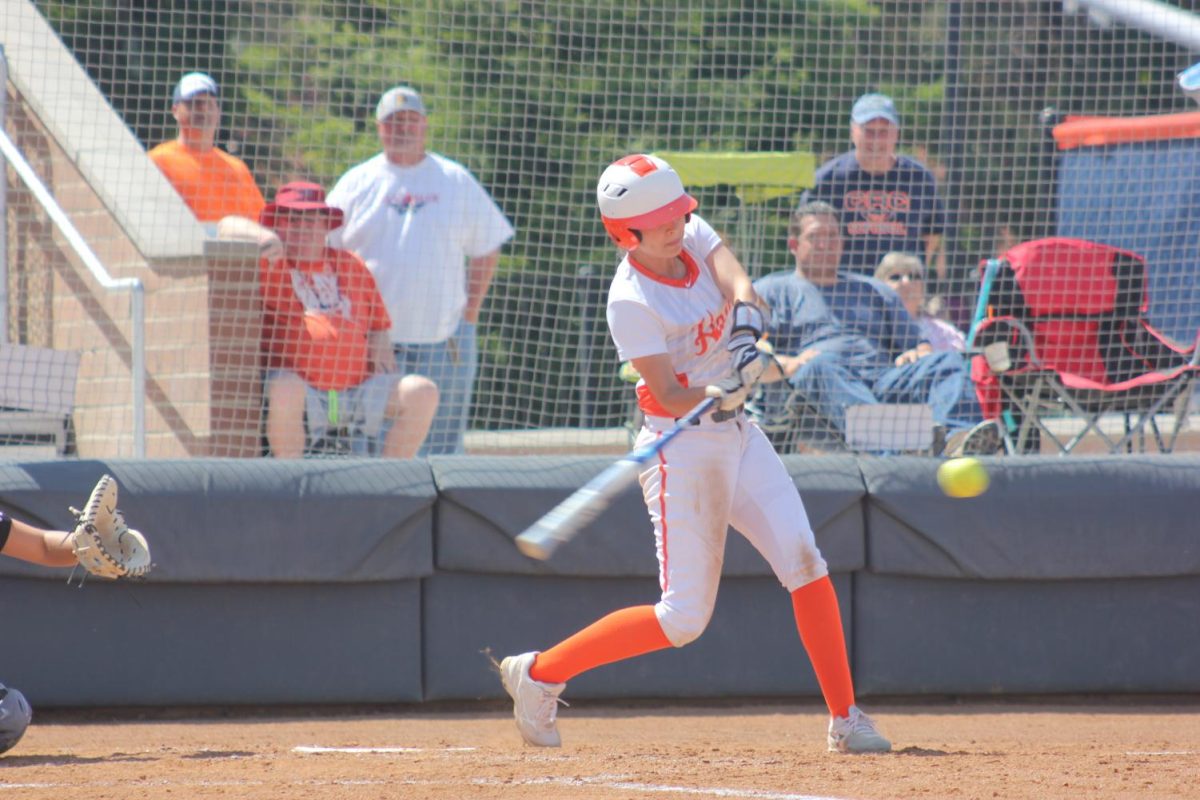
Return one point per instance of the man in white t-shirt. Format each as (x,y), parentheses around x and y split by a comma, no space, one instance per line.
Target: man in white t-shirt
(431,236)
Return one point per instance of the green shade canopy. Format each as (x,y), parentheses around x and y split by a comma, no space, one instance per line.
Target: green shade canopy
(757,176)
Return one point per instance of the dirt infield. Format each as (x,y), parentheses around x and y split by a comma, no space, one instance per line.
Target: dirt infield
(1065,749)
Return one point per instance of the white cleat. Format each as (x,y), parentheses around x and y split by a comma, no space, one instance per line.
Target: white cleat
(985,439)
(856,733)
(535,704)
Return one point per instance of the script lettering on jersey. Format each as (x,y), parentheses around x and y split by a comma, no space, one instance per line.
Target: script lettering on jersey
(710,329)
(877,211)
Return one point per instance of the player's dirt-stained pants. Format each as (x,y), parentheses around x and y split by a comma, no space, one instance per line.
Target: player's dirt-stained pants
(711,476)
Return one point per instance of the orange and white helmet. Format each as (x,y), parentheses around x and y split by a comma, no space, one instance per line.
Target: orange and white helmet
(639,192)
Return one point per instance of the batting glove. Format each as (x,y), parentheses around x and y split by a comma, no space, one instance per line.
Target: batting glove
(749,363)
(730,392)
(749,319)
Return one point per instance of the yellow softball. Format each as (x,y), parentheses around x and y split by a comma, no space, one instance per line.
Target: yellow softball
(963,477)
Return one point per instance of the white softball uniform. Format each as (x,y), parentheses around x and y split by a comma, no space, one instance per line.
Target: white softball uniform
(714,475)
(415,227)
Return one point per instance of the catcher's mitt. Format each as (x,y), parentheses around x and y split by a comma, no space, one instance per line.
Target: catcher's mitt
(103,543)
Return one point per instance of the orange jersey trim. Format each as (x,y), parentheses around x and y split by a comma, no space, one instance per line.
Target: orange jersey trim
(686,282)
(649,404)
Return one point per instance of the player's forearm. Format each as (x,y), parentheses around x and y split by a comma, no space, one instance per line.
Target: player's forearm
(680,400)
(776,370)
(48,548)
(479,279)
(743,290)
(735,283)
(659,376)
(57,549)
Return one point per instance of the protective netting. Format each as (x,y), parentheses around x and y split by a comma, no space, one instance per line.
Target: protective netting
(746,98)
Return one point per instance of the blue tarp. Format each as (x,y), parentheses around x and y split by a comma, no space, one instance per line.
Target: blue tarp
(1144,197)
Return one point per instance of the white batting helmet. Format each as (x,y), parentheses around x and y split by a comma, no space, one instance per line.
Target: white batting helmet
(15,715)
(639,192)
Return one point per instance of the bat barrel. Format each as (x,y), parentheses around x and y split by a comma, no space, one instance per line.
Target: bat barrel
(570,516)
(542,538)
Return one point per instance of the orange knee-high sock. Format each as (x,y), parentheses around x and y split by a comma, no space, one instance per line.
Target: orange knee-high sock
(622,634)
(820,624)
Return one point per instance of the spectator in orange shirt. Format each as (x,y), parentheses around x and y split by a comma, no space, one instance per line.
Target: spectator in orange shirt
(326,337)
(217,187)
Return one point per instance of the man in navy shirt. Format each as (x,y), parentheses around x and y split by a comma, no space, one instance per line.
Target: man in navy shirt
(845,339)
(888,202)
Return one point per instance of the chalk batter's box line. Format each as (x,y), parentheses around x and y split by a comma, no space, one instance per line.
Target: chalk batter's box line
(309,749)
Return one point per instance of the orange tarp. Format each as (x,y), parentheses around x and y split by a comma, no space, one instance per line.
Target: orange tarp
(1096,131)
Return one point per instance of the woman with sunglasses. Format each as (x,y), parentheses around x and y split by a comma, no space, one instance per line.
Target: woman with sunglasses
(906,274)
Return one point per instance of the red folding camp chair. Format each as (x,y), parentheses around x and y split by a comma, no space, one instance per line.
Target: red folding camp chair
(1060,332)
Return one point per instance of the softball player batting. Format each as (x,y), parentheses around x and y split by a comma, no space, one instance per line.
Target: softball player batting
(683,310)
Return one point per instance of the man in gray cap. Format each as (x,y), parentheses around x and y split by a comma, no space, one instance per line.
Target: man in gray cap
(888,202)
(431,236)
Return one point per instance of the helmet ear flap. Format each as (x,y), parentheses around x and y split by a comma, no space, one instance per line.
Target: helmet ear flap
(623,237)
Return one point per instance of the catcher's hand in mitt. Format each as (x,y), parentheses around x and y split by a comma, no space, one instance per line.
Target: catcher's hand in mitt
(103,543)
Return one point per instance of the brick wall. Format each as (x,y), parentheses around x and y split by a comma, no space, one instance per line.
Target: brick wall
(203,386)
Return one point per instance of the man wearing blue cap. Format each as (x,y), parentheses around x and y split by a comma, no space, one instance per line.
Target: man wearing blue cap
(888,202)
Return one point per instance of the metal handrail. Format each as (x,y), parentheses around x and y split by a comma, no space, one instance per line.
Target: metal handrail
(84,251)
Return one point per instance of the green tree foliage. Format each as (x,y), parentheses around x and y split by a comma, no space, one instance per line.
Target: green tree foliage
(136,52)
(537,97)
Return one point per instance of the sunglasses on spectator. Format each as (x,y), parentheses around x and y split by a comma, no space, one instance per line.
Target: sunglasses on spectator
(900,277)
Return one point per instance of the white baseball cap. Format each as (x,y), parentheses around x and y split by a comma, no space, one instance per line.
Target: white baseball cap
(192,84)
(399,98)
(874,106)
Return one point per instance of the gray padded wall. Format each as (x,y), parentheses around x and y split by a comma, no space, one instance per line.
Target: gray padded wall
(1057,519)
(182,644)
(367,581)
(255,521)
(1068,575)
(936,636)
(275,582)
